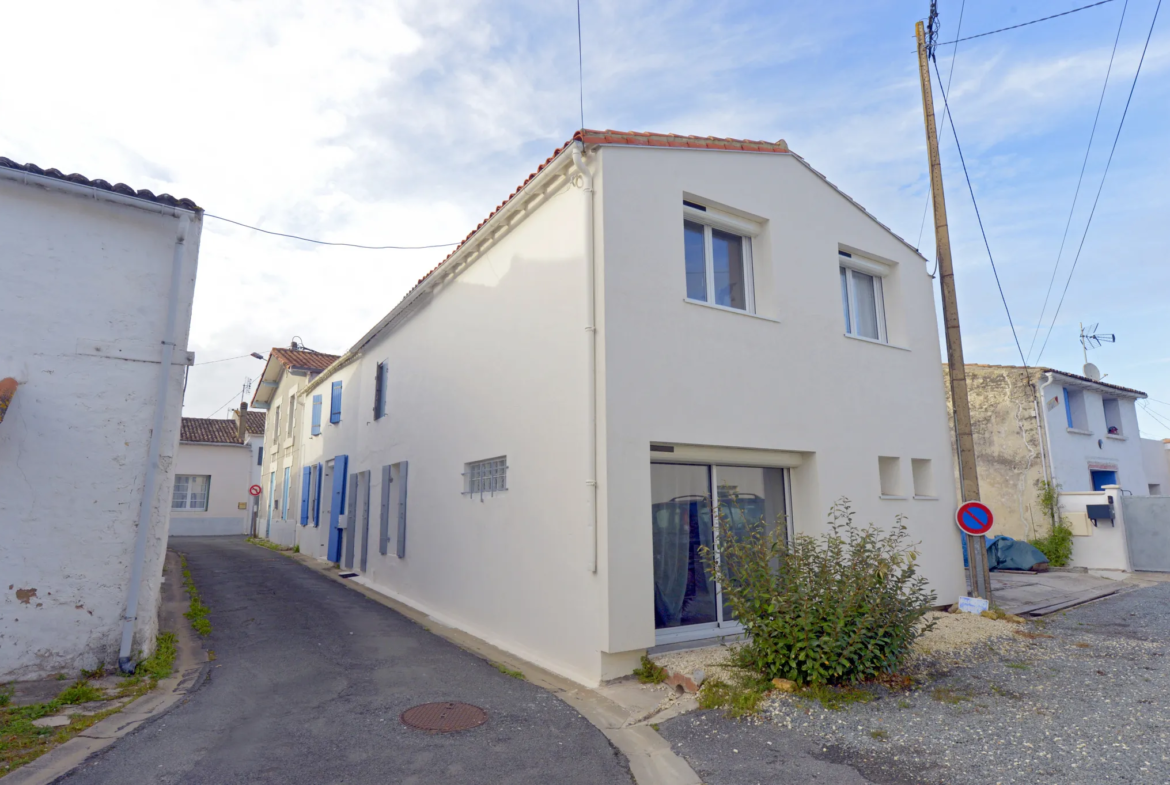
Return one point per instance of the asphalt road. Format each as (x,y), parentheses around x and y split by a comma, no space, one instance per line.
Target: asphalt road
(308,684)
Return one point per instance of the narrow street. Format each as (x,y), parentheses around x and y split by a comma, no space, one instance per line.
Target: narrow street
(307,686)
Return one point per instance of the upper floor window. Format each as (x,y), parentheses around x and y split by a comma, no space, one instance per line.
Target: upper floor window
(861,299)
(1074,409)
(1112,408)
(490,476)
(718,257)
(292,413)
(335,403)
(276,424)
(379,391)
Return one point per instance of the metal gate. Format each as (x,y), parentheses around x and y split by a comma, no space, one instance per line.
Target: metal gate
(1147,531)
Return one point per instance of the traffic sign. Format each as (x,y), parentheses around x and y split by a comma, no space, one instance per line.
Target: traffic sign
(975,518)
(255,490)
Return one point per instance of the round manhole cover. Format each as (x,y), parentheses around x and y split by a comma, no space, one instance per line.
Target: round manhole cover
(444,717)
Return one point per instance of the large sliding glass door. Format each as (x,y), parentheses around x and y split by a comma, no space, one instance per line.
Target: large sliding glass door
(688,601)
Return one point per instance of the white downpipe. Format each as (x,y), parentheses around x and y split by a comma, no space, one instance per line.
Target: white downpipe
(148,492)
(591,353)
(1046,441)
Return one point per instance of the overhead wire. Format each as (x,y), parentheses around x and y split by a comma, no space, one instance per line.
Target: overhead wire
(1080,178)
(948,114)
(225,403)
(1025,24)
(1104,174)
(1153,416)
(224,360)
(324,242)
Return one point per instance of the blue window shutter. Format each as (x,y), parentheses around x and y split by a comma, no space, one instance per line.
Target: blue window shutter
(260,456)
(335,404)
(402,468)
(316,415)
(384,516)
(1067,406)
(379,391)
(306,480)
(340,464)
(317,500)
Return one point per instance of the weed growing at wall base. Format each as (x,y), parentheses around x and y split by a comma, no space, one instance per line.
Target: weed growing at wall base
(198,612)
(1058,543)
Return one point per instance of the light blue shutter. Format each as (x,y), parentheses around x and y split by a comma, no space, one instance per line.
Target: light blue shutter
(1067,407)
(340,464)
(316,431)
(306,480)
(384,516)
(402,468)
(335,404)
(317,501)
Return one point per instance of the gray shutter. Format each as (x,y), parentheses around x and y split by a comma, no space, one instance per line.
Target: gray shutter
(365,541)
(384,518)
(351,521)
(402,484)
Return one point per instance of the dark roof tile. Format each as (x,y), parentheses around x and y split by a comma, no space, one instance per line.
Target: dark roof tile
(121,188)
(202,430)
(303,359)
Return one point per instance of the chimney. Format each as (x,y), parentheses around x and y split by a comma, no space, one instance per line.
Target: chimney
(242,416)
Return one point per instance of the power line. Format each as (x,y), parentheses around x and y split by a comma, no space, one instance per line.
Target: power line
(224,360)
(1104,174)
(1155,417)
(225,403)
(950,115)
(323,242)
(1025,24)
(1076,193)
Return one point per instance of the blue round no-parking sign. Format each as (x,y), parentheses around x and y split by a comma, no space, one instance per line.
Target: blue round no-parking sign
(975,518)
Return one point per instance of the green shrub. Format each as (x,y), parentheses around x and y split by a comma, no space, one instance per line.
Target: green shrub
(836,609)
(158,665)
(650,672)
(81,692)
(1057,544)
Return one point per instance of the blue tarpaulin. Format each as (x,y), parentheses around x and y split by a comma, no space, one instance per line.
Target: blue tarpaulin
(1005,553)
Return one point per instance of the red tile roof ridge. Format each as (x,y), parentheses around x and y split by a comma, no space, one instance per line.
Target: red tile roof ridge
(304,358)
(102,185)
(202,430)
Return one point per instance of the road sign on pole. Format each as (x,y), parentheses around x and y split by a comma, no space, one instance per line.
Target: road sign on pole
(975,518)
(255,490)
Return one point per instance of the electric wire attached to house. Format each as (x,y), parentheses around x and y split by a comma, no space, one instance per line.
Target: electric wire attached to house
(325,242)
(1080,178)
(1104,174)
(1025,24)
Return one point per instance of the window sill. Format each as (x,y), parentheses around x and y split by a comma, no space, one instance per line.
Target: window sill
(1115,436)
(1079,431)
(888,497)
(725,309)
(926,498)
(878,343)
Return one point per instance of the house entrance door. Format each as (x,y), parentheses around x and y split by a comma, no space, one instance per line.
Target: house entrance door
(688,599)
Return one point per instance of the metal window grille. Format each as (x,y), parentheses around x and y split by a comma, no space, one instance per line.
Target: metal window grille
(486,477)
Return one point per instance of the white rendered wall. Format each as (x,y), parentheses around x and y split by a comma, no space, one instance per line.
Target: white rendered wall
(80,272)
(682,373)
(1072,452)
(1156,461)
(493,365)
(282,450)
(335,439)
(231,475)
(1105,548)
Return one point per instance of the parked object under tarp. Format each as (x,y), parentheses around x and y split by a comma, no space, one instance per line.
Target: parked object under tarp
(1005,553)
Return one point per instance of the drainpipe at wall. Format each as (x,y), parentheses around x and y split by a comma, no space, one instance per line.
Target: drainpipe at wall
(591,354)
(1042,431)
(149,490)
(1046,441)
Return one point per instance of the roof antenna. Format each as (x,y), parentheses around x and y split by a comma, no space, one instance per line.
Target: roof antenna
(1091,339)
(580,67)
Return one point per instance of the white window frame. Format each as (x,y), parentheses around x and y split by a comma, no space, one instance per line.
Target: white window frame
(185,503)
(711,218)
(487,477)
(854,264)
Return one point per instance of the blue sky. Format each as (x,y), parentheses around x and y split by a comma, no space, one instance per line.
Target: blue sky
(383,122)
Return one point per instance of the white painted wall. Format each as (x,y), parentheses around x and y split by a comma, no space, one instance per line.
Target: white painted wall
(1105,548)
(282,450)
(682,373)
(1072,452)
(230,468)
(1156,460)
(80,272)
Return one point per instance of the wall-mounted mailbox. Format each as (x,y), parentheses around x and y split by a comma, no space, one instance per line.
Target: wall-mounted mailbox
(1099,512)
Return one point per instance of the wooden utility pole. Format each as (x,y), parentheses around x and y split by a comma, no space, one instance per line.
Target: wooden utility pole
(968,474)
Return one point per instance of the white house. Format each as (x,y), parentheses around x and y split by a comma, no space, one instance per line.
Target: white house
(285,373)
(527,446)
(218,461)
(95,290)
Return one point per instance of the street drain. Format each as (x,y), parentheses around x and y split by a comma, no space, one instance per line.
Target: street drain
(348,575)
(444,717)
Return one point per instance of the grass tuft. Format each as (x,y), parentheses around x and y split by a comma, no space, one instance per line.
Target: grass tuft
(741,697)
(504,669)
(197,614)
(835,698)
(650,672)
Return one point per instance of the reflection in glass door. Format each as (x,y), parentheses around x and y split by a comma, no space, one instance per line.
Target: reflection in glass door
(688,603)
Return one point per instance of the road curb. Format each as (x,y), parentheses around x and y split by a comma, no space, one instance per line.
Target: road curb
(652,760)
(190,665)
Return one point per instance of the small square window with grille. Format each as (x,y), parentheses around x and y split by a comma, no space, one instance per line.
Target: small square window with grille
(486,477)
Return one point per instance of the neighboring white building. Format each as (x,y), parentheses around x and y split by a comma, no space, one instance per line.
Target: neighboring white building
(286,372)
(218,461)
(96,293)
(648,322)
(1156,459)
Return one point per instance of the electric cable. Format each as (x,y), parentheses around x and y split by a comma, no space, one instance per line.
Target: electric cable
(1104,174)
(225,403)
(1080,178)
(979,217)
(224,360)
(950,75)
(1025,24)
(323,242)
(1153,416)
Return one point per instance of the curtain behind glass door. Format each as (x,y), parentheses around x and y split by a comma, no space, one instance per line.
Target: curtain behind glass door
(684,592)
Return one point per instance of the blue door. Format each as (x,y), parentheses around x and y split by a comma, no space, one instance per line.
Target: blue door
(340,467)
(1103,478)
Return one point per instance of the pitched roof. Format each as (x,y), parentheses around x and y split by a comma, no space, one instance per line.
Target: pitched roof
(1065,374)
(119,188)
(200,429)
(254,421)
(303,359)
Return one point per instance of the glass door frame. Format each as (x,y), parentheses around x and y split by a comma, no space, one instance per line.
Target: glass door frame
(720,628)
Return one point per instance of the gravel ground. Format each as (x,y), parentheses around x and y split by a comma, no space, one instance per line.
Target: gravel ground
(1080,697)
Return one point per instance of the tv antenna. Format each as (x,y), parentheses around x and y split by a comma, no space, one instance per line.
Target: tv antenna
(1091,339)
